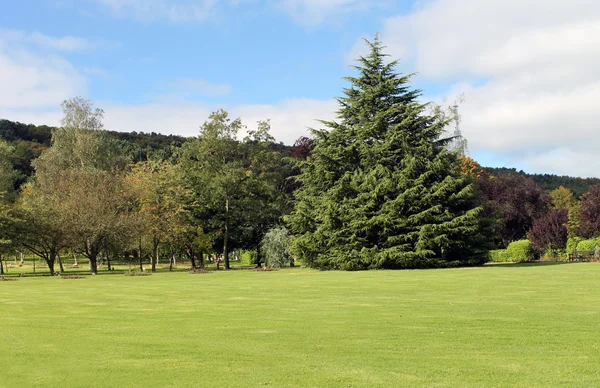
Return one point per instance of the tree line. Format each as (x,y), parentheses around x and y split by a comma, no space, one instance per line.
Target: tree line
(385,185)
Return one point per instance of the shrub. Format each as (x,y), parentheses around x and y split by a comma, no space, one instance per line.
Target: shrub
(549,231)
(588,245)
(572,244)
(553,255)
(499,256)
(248,257)
(274,247)
(520,251)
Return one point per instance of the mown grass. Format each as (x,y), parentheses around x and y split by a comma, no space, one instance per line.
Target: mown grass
(502,325)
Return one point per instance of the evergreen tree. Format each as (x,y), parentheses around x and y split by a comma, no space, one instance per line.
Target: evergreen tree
(380,189)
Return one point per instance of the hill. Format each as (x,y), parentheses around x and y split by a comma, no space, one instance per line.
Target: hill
(549,182)
(30,140)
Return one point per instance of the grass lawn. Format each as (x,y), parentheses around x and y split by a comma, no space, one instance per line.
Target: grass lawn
(500,325)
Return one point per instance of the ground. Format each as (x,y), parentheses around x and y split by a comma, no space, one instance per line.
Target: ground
(499,325)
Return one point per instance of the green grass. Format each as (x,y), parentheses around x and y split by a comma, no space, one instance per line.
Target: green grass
(500,325)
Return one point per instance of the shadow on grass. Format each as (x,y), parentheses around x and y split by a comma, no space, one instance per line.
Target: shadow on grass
(527,264)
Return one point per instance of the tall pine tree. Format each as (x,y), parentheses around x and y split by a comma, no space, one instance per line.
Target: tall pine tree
(380,189)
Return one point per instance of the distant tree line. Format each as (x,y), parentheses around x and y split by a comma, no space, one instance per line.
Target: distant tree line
(549,182)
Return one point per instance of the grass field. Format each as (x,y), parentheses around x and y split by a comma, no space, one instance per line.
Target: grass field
(500,325)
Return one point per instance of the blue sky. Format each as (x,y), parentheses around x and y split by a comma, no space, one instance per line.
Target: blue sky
(262,53)
(524,67)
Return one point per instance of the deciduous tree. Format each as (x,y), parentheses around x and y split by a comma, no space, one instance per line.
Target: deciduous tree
(590,213)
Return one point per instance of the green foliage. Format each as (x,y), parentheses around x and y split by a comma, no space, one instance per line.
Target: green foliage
(588,245)
(572,243)
(520,251)
(516,252)
(562,198)
(499,256)
(8,175)
(549,182)
(275,247)
(29,141)
(380,189)
(554,254)
(234,184)
(248,257)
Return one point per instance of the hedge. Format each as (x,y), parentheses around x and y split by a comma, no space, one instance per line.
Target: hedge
(516,252)
(588,245)
(520,251)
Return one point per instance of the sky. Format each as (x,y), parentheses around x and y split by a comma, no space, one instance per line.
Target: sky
(528,69)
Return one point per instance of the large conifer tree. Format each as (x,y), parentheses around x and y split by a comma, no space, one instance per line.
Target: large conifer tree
(380,189)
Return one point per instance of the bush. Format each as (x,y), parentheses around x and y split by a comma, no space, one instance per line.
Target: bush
(553,255)
(588,245)
(275,247)
(248,257)
(517,252)
(520,251)
(499,256)
(550,231)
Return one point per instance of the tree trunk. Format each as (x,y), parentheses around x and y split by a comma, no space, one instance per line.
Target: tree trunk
(60,263)
(201,259)
(107,257)
(50,264)
(22,258)
(226,235)
(93,263)
(75,263)
(1,266)
(154,258)
(171,260)
(140,254)
(192,258)
(258,261)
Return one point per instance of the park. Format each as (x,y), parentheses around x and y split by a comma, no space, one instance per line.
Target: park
(375,253)
(529,325)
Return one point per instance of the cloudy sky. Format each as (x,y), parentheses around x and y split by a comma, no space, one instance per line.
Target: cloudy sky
(529,69)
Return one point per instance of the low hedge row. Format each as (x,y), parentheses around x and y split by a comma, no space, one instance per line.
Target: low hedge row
(516,252)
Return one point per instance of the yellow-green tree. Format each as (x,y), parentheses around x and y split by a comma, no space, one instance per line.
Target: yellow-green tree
(159,204)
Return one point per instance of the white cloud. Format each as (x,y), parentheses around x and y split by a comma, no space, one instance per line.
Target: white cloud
(44,42)
(35,82)
(193,87)
(289,119)
(528,69)
(32,79)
